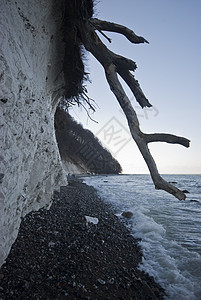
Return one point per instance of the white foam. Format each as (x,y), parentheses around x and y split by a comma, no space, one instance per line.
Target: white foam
(157,219)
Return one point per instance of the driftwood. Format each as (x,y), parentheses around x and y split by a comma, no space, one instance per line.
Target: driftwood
(114,64)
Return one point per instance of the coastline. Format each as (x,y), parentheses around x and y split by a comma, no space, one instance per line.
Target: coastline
(62,254)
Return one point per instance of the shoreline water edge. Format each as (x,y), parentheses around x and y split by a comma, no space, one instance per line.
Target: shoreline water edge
(168,230)
(78,249)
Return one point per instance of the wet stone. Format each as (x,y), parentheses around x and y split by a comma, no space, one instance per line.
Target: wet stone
(127,214)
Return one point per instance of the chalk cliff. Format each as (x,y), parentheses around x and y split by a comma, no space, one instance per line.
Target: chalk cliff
(31,47)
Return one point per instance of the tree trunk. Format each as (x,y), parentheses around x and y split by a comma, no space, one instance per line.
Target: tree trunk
(113,64)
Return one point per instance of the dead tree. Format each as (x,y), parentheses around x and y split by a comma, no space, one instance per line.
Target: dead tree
(114,64)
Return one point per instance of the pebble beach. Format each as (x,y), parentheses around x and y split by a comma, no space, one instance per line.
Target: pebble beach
(78,249)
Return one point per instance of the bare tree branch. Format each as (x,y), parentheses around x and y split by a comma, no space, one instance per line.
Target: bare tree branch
(137,135)
(113,64)
(123,64)
(105,36)
(106,57)
(112,27)
(168,138)
(134,86)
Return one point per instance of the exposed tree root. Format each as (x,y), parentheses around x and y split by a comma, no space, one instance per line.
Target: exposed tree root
(114,64)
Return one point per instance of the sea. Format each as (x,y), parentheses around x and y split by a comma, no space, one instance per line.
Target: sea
(169,230)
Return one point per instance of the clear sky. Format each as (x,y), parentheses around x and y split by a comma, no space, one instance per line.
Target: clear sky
(169,72)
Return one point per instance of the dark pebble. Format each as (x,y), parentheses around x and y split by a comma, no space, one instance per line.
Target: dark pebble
(57,256)
(127,214)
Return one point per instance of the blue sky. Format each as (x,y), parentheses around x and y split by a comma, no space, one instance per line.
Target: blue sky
(169,72)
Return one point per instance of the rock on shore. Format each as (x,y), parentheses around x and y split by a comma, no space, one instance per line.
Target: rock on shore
(62,254)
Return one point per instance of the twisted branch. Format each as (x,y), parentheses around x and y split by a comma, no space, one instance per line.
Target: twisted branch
(113,64)
(113,27)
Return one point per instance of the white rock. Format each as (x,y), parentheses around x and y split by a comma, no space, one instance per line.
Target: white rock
(92,220)
(31,48)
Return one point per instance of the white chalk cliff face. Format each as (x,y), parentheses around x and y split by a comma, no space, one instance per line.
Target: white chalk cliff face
(31,49)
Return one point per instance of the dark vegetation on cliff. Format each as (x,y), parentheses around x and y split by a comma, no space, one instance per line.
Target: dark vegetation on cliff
(76,12)
(82,147)
(74,142)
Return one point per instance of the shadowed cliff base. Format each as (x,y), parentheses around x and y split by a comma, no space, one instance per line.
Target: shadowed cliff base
(64,254)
